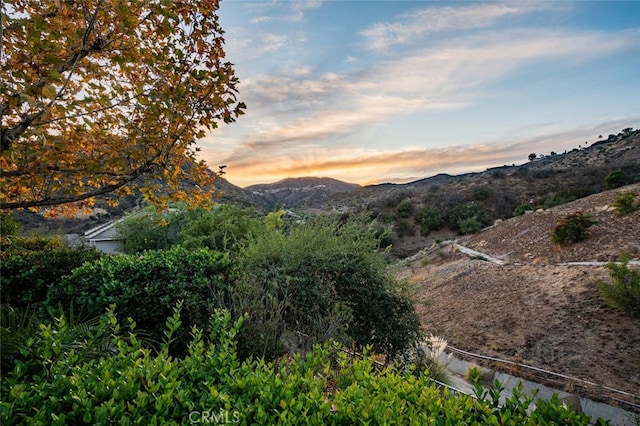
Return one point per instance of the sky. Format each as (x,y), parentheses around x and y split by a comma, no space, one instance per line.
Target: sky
(394,91)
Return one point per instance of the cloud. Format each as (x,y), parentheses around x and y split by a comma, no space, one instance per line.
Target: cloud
(353,164)
(303,121)
(411,28)
(308,107)
(261,19)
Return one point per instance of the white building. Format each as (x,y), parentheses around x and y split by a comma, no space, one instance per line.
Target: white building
(103,237)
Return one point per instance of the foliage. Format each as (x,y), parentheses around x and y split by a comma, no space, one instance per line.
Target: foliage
(480,193)
(532,156)
(563,197)
(147,230)
(625,203)
(210,385)
(109,97)
(573,228)
(522,208)
(146,286)
(21,336)
(327,278)
(470,225)
(470,215)
(8,226)
(624,292)
(30,266)
(403,228)
(429,219)
(223,228)
(616,179)
(404,210)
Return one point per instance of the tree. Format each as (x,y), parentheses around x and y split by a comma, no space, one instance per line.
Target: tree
(107,96)
(532,156)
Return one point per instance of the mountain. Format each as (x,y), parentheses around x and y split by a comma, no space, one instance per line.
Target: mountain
(547,180)
(300,192)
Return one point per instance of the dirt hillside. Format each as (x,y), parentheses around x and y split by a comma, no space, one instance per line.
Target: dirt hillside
(533,309)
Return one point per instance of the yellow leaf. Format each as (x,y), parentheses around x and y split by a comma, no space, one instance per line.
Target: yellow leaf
(49,91)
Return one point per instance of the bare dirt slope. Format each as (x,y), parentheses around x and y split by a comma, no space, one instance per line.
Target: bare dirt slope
(532,309)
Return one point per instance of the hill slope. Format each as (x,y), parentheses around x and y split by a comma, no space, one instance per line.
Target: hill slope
(535,309)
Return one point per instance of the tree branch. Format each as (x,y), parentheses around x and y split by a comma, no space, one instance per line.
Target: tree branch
(8,135)
(78,197)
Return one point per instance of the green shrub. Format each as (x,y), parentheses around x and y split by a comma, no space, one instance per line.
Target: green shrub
(210,385)
(429,220)
(145,287)
(469,225)
(625,203)
(624,292)
(21,332)
(564,197)
(327,278)
(467,211)
(224,228)
(27,275)
(522,208)
(404,210)
(8,226)
(573,228)
(616,179)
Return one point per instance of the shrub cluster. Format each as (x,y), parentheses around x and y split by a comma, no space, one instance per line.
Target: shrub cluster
(30,266)
(429,219)
(573,228)
(211,385)
(326,278)
(624,292)
(301,283)
(468,218)
(146,287)
(625,203)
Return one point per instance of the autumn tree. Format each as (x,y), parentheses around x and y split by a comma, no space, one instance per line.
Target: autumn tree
(108,96)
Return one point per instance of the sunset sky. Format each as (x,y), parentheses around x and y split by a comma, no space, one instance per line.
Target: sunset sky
(394,91)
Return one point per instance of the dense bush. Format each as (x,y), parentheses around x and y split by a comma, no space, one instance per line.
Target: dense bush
(224,228)
(625,203)
(326,278)
(616,179)
(404,210)
(429,219)
(210,385)
(564,197)
(469,225)
(522,208)
(8,226)
(145,287)
(573,228)
(147,230)
(624,292)
(470,216)
(28,274)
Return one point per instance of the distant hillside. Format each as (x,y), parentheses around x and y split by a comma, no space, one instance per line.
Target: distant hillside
(300,192)
(537,307)
(542,182)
